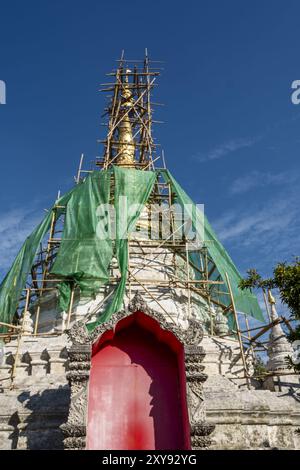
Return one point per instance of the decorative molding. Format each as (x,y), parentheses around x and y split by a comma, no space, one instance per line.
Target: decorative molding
(109,325)
(78,334)
(195,377)
(79,354)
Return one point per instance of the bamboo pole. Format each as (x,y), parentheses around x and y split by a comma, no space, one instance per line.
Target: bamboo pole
(70,307)
(208,293)
(262,331)
(37,317)
(129,268)
(247,326)
(287,323)
(266,305)
(51,233)
(163,159)
(10,325)
(14,367)
(238,330)
(79,168)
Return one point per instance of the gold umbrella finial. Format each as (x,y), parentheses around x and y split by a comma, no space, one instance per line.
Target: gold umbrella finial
(126,147)
(271,299)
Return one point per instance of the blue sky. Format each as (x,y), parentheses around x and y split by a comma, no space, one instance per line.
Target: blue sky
(231,134)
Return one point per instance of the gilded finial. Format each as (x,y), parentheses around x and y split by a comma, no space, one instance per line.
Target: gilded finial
(271,298)
(126,148)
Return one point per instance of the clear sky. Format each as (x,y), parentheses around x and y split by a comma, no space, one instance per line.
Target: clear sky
(231,134)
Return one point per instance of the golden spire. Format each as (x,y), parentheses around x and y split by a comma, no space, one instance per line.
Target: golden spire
(126,147)
(271,298)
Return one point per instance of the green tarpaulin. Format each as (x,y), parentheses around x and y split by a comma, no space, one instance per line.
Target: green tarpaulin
(132,190)
(245,301)
(15,280)
(84,255)
(90,241)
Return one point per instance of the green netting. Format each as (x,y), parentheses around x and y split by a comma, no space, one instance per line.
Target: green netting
(15,280)
(85,253)
(245,301)
(132,190)
(88,243)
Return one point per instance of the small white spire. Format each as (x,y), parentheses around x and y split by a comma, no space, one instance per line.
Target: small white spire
(279,347)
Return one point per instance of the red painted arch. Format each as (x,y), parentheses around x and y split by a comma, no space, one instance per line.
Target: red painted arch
(137,390)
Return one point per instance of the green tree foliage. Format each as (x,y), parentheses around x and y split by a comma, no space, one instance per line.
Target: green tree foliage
(286,278)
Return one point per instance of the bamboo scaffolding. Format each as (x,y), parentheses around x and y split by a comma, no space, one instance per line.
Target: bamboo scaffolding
(70,307)
(188,279)
(141,83)
(45,265)
(266,305)
(152,297)
(238,330)
(77,179)
(14,367)
(10,325)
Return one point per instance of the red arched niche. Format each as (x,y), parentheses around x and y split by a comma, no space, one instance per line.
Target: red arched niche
(137,390)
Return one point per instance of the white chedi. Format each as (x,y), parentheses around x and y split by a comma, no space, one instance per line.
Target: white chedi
(279,348)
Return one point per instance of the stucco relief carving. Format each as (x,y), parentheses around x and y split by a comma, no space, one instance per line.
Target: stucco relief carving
(78,334)
(78,375)
(200,430)
(79,369)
